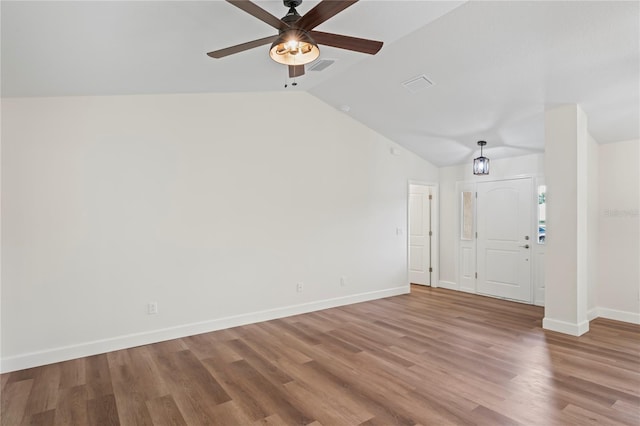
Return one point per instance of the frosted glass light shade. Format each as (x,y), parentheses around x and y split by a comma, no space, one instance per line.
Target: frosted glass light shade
(481,166)
(294,47)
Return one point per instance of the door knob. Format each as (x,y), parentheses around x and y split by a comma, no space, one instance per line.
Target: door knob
(525,246)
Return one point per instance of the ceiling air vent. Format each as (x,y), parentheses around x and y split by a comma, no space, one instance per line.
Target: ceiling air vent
(321,64)
(416,84)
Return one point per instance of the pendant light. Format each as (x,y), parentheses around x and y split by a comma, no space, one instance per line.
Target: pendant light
(294,47)
(481,164)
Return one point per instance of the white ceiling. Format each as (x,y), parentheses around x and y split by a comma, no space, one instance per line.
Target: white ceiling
(495,65)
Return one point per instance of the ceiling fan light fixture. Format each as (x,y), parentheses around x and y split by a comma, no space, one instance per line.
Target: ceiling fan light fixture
(294,47)
(481,164)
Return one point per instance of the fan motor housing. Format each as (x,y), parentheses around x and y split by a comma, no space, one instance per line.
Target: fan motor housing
(292,3)
(291,17)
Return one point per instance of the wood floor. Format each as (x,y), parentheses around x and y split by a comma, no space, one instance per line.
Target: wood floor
(434,357)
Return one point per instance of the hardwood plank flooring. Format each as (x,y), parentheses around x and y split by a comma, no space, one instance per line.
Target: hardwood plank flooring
(434,357)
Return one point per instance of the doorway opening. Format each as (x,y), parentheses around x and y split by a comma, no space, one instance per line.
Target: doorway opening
(423,235)
(496,247)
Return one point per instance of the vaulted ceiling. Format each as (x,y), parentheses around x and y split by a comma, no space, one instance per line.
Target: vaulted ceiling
(494,66)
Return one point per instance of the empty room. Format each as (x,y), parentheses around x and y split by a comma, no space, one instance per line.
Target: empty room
(320,212)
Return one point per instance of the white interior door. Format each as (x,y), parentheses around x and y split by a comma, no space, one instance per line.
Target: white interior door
(504,239)
(419,238)
(467,237)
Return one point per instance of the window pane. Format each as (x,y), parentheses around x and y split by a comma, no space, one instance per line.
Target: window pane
(542,214)
(466,219)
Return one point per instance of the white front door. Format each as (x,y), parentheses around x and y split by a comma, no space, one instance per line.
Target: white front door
(504,239)
(419,229)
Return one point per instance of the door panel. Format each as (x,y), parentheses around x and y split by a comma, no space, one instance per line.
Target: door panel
(419,225)
(467,263)
(416,255)
(504,232)
(501,266)
(466,237)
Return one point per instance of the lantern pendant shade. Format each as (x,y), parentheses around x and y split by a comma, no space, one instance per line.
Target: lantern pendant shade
(481,164)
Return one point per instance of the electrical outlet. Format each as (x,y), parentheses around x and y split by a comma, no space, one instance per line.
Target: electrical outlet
(343,281)
(300,287)
(152,308)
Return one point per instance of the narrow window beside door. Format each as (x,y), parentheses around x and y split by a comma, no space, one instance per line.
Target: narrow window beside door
(542,213)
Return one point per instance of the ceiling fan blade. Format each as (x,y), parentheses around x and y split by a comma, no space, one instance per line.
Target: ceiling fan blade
(323,11)
(255,10)
(347,42)
(242,47)
(296,71)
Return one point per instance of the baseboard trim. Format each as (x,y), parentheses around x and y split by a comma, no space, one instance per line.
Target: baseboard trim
(570,328)
(96,347)
(448,285)
(592,314)
(614,314)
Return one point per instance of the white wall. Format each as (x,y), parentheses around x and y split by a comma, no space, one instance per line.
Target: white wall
(214,206)
(619,231)
(528,165)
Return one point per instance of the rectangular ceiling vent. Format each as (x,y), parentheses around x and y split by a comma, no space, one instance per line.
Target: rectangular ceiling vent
(321,64)
(416,84)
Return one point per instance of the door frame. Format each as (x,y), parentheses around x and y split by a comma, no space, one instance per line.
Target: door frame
(435,227)
(535,178)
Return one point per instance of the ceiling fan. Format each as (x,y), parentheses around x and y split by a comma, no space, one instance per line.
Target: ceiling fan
(297,43)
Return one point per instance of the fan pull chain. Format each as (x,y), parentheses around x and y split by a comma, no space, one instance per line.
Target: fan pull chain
(294,83)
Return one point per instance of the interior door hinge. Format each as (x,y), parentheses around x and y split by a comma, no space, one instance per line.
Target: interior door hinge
(476,275)
(430,233)
(430,269)
(476,195)
(476,235)
(430,197)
